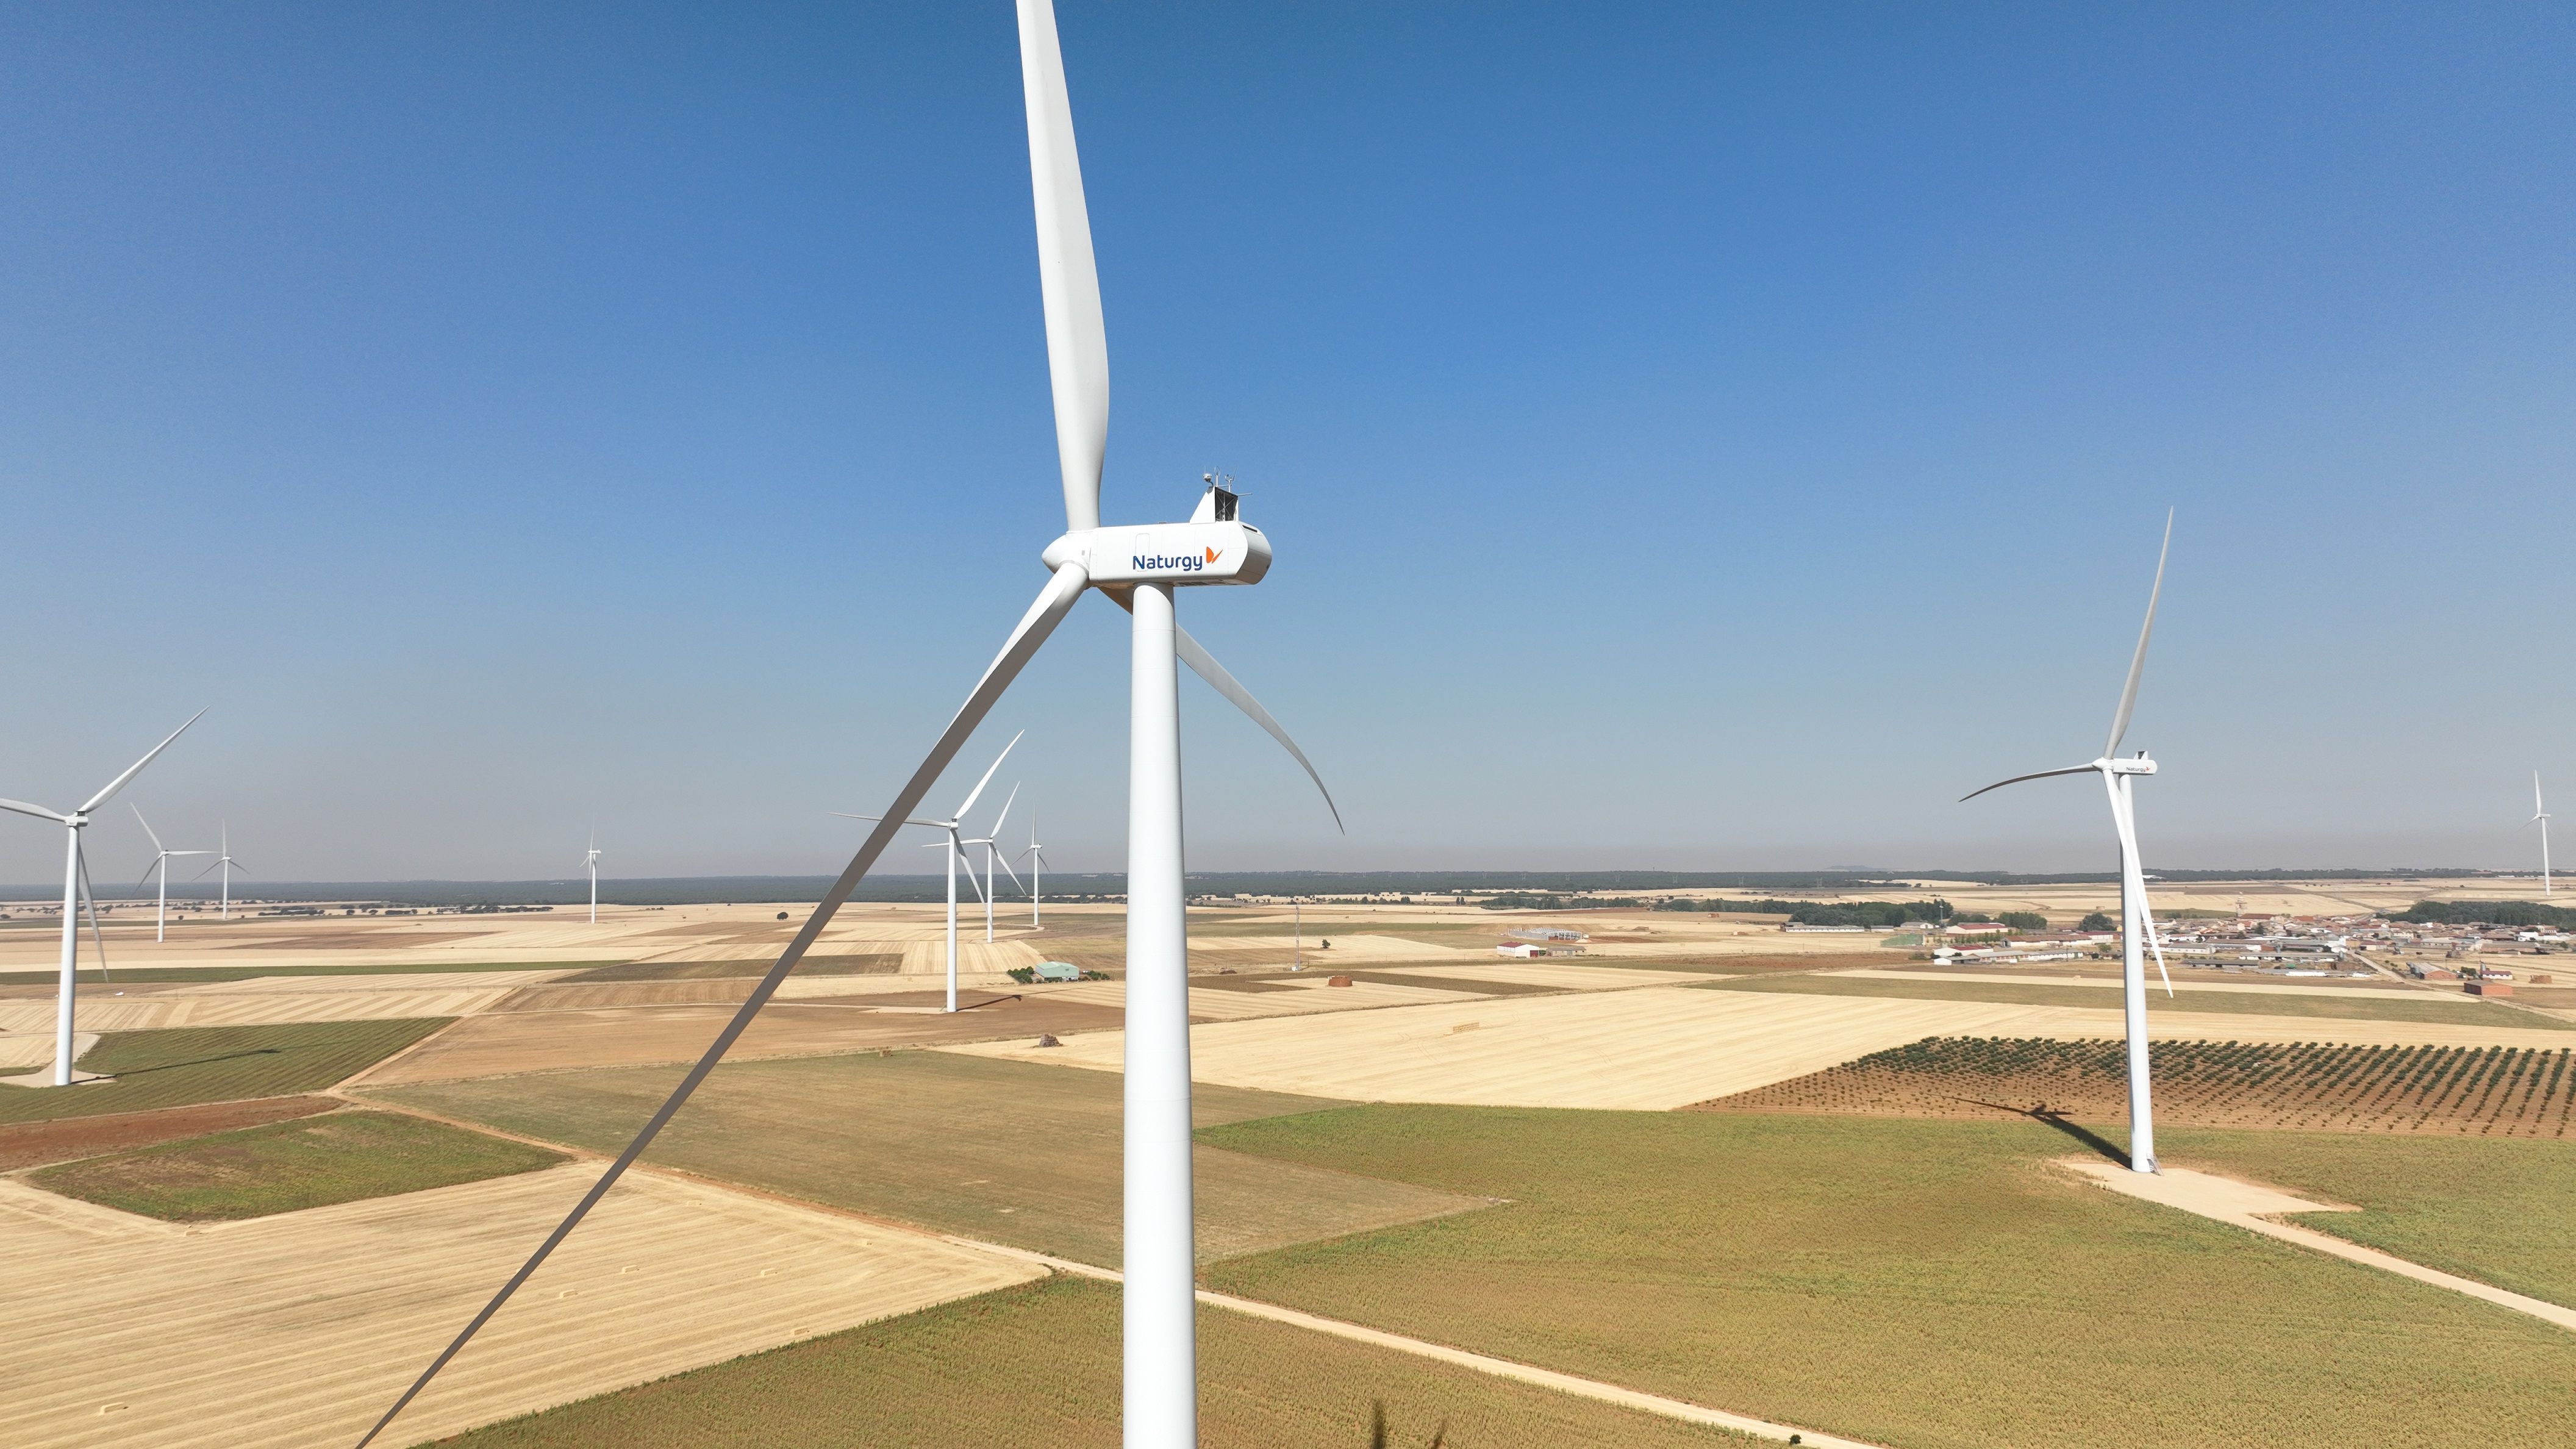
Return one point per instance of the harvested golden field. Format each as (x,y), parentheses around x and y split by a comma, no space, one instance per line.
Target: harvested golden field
(1933,1285)
(1038,1365)
(1006,1152)
(2326,1003)
(2461,1091)
(506,1043)
(295,1331)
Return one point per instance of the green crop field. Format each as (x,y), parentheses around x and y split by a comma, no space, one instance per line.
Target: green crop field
(2500,1210)
(310,1162)
(1916,1283)
(2401,1006)
(1038,1365)
(1005,1151)
(172,1068)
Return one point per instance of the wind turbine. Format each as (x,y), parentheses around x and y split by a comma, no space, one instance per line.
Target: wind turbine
(2540,812)
(225,862)
(1035,855)
(2137,922)
(590,860)
(993,858)
(956,851)
(161,863)
(75,869)
(1141,568)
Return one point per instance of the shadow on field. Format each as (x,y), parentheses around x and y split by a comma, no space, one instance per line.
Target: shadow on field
(2076,1130)
(199,1062)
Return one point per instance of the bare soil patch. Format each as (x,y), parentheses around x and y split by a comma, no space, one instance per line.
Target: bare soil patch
(2309,1086)
(30,1144)
(551,1041)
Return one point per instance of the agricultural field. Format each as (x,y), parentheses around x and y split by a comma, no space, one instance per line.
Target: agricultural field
(1920,1283)
(186,1065)
(2497,1210)
(1003,1151)
(285,1166)
(2459,1091)
(2399,1005)
(32,1144)
(1038,1365)
(195,975)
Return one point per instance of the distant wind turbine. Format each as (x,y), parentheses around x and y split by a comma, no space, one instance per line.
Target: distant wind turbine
(992,858)
(591,861)
(224,862)
(75,870)
(161,864)
(956,851)
(2137,921)
(1035,855)
(2540,812)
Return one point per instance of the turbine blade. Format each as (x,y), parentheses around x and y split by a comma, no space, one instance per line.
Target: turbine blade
(1006,811)
(209,870)
(966,867)
(1053,602)
(2017,779)
(23,808)
(988,776)
(1004,862)
(1068,278)
(1204,664)
(136,768)
(2138,661)
(90,899)
(156,840)
(2157,945)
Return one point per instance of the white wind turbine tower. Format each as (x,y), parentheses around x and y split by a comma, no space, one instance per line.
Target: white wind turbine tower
(2137,922)
(1035,855)
(590,862)
(1141,568)
(2540,816)
(956,851)
(993,858)
(161,863)
(224,862)
(75,868)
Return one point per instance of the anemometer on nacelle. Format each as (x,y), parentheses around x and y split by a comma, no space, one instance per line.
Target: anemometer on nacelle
(1213,547)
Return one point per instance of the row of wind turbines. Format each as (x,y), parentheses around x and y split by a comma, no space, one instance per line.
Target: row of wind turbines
(77,893)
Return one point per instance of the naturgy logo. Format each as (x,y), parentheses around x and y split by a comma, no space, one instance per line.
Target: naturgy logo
(1172,563)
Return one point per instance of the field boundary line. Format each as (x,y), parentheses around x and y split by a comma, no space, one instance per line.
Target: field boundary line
(1504,1368)
(2256,1210)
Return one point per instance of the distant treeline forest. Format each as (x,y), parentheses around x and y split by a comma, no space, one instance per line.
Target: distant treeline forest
(2489,913)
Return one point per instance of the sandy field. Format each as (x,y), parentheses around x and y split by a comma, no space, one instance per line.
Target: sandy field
(553,1041)
(1656,1048)
(299,1329)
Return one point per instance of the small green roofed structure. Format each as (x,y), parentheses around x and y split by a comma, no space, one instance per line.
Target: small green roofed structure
(1058,971)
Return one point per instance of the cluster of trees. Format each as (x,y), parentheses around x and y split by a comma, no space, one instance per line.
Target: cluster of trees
(1881,915)
(1549,901)
(2489,913)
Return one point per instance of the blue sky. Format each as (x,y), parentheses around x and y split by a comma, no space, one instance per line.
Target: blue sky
(1693,436)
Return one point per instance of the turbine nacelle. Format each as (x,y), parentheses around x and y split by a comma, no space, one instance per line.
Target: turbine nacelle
(1198,552)
(2138,765)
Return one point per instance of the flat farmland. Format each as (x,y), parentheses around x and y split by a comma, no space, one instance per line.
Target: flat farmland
(2499,1211)
(287,1166)
(215,1064)
(1915,1283)
(1038,1365)
(506,1043)
(2456,1091)
(30,1144)
(1649,1050)
(2391,1005)
(297,1330)
(1002,1151)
